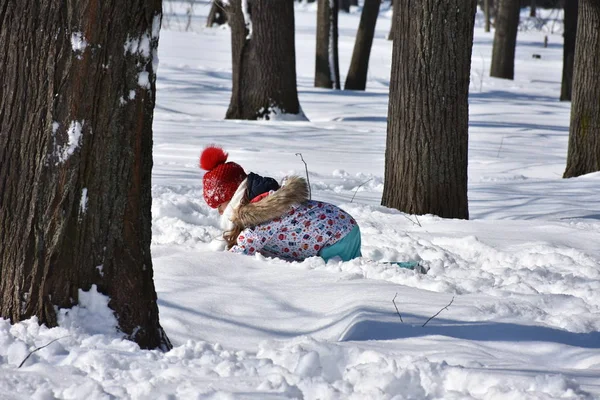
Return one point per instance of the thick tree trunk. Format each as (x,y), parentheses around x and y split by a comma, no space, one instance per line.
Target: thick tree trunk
(584,134)
(394,25)
(505,39)
(533,9)
(327,68)
(427,136)
(359,66)
(264,60)
(217,14)
(569,49)
(345,5)
(76,158)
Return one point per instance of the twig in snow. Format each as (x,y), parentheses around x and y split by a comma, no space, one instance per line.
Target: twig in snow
(356,191)
(394,301)
(414,223)
(500,148)
(307,178)
(39,348)
(445,308)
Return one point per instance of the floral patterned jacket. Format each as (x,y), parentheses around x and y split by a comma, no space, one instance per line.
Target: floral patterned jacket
(287,225)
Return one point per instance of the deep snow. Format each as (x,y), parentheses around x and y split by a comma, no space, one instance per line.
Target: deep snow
(523,273)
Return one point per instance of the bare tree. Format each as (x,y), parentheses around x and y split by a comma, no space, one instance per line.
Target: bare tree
(584,134)
(359,65)
(486,13)
(217,14)
(505,39)
(427,136)
(393,26)
(264,60)
(533,8)
(327,67)
(76,109)
(570,33)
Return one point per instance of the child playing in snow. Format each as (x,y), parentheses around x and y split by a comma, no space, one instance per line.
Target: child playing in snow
(260,216)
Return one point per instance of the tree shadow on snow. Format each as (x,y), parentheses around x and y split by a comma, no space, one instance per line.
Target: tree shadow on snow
(477,331)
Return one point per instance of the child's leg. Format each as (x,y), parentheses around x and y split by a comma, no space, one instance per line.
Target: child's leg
(346,248)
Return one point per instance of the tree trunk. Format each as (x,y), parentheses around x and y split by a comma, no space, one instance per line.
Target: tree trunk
(76,157)
(217,14)
(486,13)
(394,25)
(345,5)
(327,68)
(427,136)
(264,60)
(569,49)
(359,66)
(505,39)
(584,134)
(533,9)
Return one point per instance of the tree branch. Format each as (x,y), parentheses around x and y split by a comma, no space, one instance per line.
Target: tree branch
(445,308)
(307,178)
(394,301)
(39,348)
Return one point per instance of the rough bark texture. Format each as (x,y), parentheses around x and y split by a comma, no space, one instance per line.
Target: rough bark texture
(359,66)
(217,14)
(570,34)
(427,136)
(584,135)
(327,69)
(393,26)
(264,60)
(75,209)
(505,39)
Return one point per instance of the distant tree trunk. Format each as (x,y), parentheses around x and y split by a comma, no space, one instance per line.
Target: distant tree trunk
(427,136)
(345,5)
(76,108)
(264,60)
(486,12)
(533,9)
(569,49)
(584,134)
(217,14)
(359,66)
(394,25)
(354,3)
(327,68)
(505,39)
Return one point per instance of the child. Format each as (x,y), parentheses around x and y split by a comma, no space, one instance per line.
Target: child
(262,217)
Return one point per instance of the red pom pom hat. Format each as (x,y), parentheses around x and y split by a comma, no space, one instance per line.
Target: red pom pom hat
(222,178)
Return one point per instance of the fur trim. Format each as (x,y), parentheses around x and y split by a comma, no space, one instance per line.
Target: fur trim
(295,191)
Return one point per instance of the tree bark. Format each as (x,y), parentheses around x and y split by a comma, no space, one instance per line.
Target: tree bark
(584,134)
(569,49)
(217,14)
(359,65)
(394,25)
(427,136)
(264,60)
(505,39)
(327,68)
(76,108)
(486,13)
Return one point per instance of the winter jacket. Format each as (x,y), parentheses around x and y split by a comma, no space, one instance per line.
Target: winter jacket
(287,225)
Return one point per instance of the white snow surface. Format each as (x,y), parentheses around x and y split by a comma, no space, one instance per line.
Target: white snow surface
(523,272)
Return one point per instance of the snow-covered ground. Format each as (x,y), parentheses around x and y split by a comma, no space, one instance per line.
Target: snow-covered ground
(523,274)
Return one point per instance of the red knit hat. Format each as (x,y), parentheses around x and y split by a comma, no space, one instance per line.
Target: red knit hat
(222,179)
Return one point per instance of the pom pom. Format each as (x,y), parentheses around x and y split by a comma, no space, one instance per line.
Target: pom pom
(211,157)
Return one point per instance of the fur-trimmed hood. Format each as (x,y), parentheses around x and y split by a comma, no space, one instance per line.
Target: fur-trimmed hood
(294,191)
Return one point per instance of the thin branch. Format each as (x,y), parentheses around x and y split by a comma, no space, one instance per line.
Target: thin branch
(359,186)
(414,223)
(307,178)
(445,308)
(39,348)
(394,301)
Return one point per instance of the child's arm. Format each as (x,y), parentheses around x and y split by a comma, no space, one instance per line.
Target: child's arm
(250,241)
